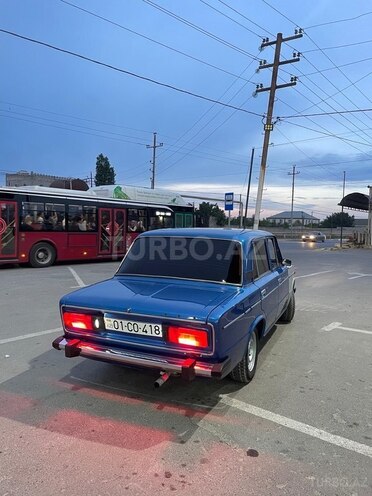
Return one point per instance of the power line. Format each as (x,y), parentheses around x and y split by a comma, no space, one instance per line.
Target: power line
(72,130)
(75,125)
(338,67)
(70,116)
(344,117)
(205,125)
(336,22)
(228,17)
(317,25)
(338,46)
(245,17)
(336,112)
(325,129)
(199,29)
(129,73)
(304,153)
(337,92)
(330,135)
(116,125)
(327,79)
(205,155)
(278,11)
(110,21)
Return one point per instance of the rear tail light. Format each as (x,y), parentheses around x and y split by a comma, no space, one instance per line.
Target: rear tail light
(189,337)
(78,321)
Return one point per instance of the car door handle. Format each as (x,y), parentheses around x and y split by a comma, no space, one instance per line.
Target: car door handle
(263,292)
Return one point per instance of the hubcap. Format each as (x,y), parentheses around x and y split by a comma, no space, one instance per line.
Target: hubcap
(43,256)
(252,351)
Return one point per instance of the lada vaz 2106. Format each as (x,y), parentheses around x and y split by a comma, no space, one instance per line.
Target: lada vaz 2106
(194,302)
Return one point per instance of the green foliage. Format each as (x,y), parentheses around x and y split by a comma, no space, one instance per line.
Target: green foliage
(338,218)
(207,210)
(105,173)
(265,223)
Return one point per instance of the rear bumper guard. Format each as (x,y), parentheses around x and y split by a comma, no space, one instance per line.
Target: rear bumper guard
(187,367)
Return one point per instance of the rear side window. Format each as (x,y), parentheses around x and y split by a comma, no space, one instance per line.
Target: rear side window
(272,251)
(260,261)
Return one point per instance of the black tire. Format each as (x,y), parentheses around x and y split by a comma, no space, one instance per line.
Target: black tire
(246,368)
(42,255)
(288,314)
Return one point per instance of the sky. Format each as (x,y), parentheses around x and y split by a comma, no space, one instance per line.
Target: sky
(59,110)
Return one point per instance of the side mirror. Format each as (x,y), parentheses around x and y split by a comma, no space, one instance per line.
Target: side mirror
(287,262)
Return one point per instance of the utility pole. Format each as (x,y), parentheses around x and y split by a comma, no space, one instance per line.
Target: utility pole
(369,241)
(342,211)
(154,146)
(268,126)
(293,174)
(248,188)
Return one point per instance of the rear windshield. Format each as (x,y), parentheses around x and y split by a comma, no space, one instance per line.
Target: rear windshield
(216,260)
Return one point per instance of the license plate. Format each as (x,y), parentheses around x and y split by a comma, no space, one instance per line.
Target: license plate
(133,327)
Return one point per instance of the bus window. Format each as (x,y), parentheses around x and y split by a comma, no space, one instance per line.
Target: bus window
(54,216)
(137,220)
(90,215)
(189,220)
(119,231)
(105,231)
(168,222)
(82,218)
(179,220)
(32,216)
(75,217)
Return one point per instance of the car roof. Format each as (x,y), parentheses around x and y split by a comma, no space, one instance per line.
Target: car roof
(211,233)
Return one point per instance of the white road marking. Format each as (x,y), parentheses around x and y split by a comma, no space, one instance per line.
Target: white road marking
(258,412)
(338,325)
(77,278)
(32,335)
(314,274)
(357,275)
(342,442)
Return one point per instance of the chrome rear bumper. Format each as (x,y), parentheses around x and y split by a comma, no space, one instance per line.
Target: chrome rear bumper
(76,347)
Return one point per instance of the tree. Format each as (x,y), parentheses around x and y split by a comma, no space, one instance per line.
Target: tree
(207,210)
(219,215)
(338,218)
(105,173)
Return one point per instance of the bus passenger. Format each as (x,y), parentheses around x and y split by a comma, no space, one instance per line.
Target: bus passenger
(132,226)
(82,224)
(140,227)
(27,223)
(39,218)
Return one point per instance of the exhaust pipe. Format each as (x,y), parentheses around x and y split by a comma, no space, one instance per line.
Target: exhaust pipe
(164,376)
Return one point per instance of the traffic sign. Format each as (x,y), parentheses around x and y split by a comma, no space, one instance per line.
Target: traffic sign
(229,201)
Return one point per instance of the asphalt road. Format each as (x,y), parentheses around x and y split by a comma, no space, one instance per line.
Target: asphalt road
(302,427)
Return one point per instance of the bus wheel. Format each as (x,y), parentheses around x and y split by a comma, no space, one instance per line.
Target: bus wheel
(42,255)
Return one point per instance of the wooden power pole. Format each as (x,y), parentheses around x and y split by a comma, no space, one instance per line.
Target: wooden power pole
(154,146)
(268,126)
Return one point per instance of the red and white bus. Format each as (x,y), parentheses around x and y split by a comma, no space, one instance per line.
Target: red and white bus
(41,225)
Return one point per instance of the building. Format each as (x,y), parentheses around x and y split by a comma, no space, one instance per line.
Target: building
(299,217)
(25,178)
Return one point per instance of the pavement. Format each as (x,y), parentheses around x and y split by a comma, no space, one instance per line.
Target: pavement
(303,426)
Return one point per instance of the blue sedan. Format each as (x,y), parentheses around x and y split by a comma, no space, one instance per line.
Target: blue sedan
(189,302)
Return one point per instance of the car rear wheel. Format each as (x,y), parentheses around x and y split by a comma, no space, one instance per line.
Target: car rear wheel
(42,255)
(246,368)
(289,312)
